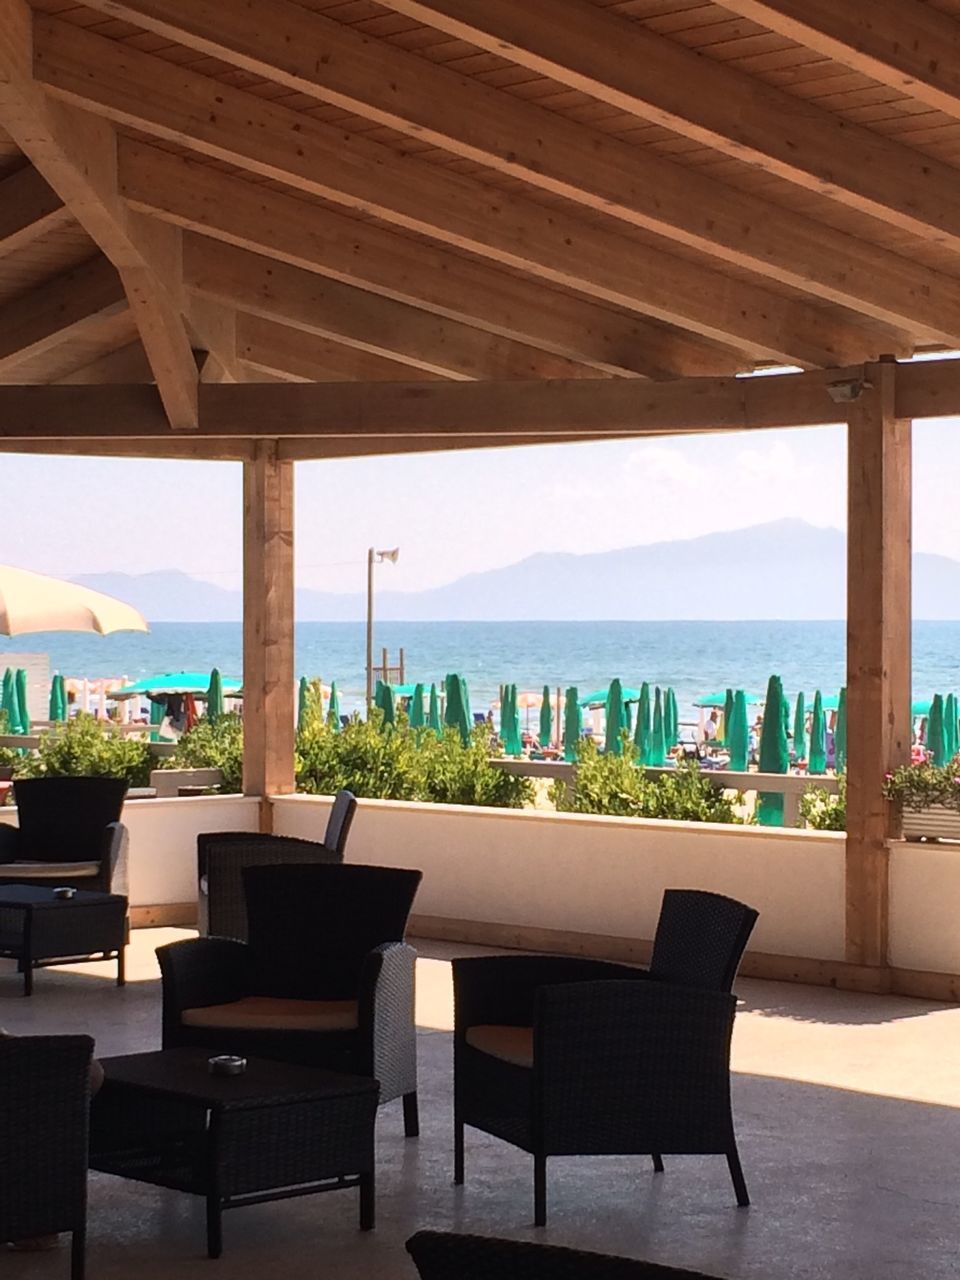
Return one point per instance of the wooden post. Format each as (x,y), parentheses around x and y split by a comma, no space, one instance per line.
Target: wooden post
(268,678)
(878,650)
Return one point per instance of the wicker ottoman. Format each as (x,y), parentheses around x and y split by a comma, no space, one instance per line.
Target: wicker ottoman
(276,1131)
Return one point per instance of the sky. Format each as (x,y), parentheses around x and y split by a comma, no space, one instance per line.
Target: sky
(452,513)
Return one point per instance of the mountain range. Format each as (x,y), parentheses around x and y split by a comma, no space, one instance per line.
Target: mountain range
(786,569)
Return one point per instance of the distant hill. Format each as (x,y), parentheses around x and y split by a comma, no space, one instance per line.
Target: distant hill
(783,570)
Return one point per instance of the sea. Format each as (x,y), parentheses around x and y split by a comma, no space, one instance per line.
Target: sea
(696,658)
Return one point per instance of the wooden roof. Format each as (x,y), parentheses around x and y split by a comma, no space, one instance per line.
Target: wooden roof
(473,190)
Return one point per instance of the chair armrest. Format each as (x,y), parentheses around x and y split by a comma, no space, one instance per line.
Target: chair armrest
(387,1018)
(9,842)
(640,1051)
(502,989)
(201,971)
(113,862)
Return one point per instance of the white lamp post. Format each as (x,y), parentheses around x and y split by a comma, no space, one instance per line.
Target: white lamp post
(374,557)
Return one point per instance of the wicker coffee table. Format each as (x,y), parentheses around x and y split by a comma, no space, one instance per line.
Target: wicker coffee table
(276,1131)
(38,929)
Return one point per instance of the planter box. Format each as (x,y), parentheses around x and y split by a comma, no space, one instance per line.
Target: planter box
(936,822)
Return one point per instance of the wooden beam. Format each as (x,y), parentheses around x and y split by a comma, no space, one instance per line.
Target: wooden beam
(364,320)
(304,234)
(211,117)
(879,723)
(180,445)
(619,61)
(127,364)
(77,156)
(58,310)
(448,410)
(280,40)
(268,603)
(280,349)
(912,47)
(29,209)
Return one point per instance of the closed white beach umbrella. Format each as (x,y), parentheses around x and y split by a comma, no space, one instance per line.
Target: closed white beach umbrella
(34,602)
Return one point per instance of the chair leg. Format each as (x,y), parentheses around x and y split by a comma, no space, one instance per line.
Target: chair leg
(458,1153)
(411,1115)
(539,1190)
(78,1254)
(657,1162)
(736,1173)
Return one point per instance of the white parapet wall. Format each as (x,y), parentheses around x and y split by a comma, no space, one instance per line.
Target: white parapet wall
(925,906)
(594,877)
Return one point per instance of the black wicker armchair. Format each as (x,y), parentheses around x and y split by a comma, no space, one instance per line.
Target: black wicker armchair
(559,1055)
(44,1104)
(325,978)
(222,855)
(69,833)
(445,1255)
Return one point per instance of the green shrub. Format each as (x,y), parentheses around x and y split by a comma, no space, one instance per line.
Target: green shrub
(88,747)
(213,744)
(458,774)
(609,784)
(824,811)
(8,755)
(363,758)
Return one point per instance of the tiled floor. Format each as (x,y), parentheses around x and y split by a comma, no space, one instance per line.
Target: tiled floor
(848,1112)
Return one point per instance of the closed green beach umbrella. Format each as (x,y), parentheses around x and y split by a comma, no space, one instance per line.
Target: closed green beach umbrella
(950,736)
(774,757)
(936,738)
(416,707)
(817,763)
(614,717)
(388,705)
(642,733)
(546,718)
(22,707)
(840,734)
(727,716)
(457,711)
(671,719)
(62,695)
(8,701)
(572,725)
(215,695)
(738,735)
(513,742)
(333,708)
(800,729)
(57,711)
(303,696)
(658,751)
(433,713)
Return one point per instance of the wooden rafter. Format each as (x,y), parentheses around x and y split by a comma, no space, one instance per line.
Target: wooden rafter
(77,156)
(912,47)
(265,220)
(280,40)
(275,348)
(59,310)
(127,364)
(204,115)
(29,208)
(621,62)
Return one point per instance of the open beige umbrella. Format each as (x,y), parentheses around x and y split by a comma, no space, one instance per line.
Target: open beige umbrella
(34,602)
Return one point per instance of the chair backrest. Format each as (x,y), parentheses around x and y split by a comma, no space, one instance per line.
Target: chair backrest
(221,857)
(700,939)
(310,927)
(44,1103)
(64,819)
(340,821)
(442,1255)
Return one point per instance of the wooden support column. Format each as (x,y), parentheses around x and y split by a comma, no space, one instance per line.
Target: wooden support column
(878,650)
(268,679)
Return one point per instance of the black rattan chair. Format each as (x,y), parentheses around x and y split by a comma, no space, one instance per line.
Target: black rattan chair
(222,855)
(444,1255)
(325,978)
(44,1104)
(563,1056)
(69,833)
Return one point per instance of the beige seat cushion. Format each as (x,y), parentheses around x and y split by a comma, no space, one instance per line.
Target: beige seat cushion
(510,1044)
(47,870)
(271,1013)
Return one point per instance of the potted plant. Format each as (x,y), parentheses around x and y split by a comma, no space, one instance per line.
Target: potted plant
(929,799)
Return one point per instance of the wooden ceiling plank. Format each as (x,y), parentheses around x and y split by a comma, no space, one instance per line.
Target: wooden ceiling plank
(29,209)
(205,115)
(127,364)
(59,310)
(911,47)
(265,220)
(638,71)
(314,55)
(395,330)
